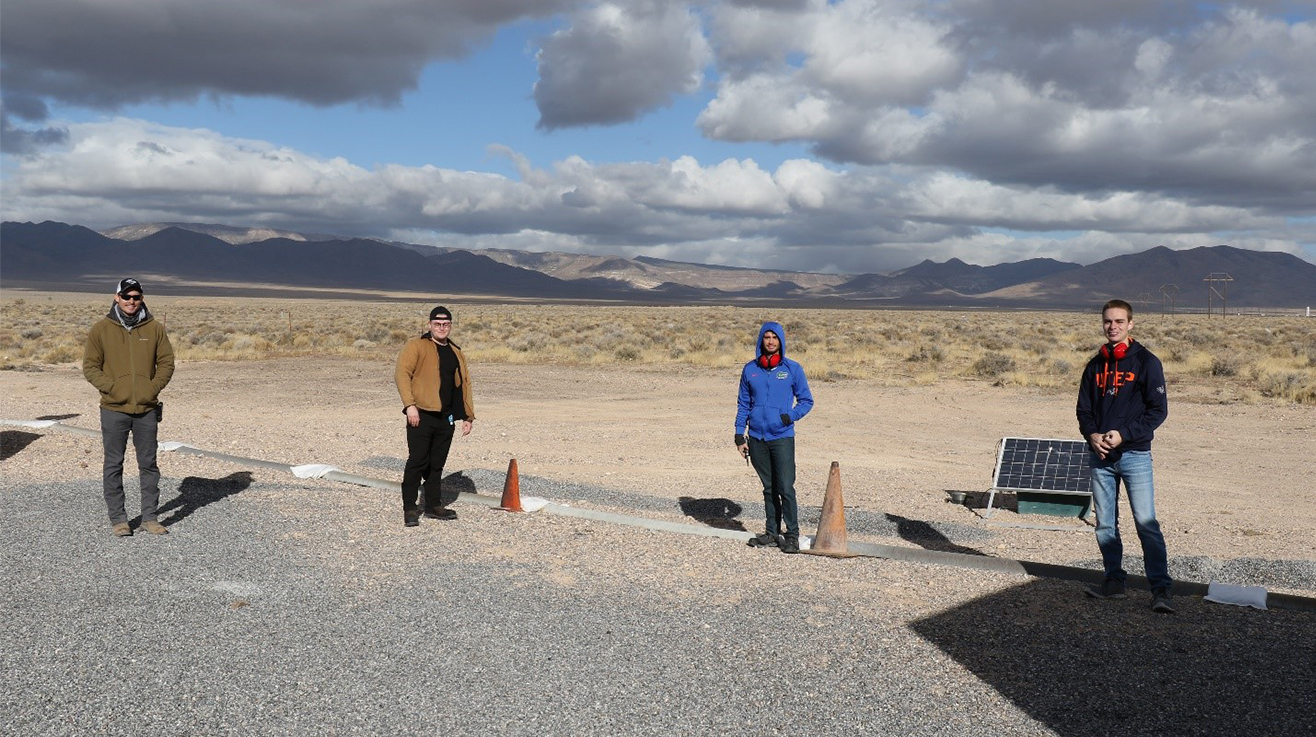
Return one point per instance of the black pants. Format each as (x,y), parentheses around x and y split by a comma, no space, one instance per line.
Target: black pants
(427,451)
(774,460)
(115,428)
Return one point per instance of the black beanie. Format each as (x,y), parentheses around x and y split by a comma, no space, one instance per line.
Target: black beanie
(440,311)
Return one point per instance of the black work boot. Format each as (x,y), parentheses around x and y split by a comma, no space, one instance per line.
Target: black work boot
(763,540)
(790,543)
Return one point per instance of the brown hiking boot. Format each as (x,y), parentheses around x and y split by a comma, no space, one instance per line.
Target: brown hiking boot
(154,527)
(122,529)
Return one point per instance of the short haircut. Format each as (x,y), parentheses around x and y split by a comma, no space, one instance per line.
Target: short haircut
(1128,308)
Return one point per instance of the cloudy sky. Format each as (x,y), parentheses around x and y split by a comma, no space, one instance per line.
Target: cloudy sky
(852,136)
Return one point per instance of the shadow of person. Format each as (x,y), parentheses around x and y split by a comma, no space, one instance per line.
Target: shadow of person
(195,492)
(1087,668)
(12,442)
(926,536)
(452,485)
(719,513)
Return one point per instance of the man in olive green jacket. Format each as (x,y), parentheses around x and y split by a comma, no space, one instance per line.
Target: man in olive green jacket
(435,388)
(128,358)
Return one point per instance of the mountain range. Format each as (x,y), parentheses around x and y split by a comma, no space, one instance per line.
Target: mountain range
(191,258)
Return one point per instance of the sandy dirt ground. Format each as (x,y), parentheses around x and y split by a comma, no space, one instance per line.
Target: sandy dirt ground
(1233,480)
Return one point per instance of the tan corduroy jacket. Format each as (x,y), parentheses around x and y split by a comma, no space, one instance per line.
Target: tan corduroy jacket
(129,367)
(417,376)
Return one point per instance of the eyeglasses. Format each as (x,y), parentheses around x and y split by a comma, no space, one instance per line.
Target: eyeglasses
(441,323)
(131,297)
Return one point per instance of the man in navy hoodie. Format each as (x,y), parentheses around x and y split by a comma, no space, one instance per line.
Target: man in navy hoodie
(1121,402)
(774,394)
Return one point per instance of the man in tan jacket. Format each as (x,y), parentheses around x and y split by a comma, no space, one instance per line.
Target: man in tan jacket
(435,387)
(128,358)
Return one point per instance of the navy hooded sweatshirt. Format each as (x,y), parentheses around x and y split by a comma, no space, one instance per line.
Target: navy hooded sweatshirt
(1127,395)
(767,393)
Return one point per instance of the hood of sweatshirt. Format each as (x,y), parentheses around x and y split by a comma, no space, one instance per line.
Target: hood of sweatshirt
(142,317)
(777,329)
(1110,363)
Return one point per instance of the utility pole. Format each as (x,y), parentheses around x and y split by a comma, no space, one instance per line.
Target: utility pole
(1212,279)
(1167,296)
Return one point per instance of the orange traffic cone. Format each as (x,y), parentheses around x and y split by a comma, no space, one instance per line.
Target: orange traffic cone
(831,539)
(512,490)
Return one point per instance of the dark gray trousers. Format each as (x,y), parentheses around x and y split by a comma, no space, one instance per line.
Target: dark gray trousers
(774,460)
(115,427)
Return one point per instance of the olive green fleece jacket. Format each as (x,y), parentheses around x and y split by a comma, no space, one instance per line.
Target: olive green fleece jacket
(129,367)
(417,376)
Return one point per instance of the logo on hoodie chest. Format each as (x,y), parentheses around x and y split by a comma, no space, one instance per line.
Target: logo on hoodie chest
(781,374)
(1112,381)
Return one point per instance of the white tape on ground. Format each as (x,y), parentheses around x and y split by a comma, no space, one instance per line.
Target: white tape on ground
(313,470)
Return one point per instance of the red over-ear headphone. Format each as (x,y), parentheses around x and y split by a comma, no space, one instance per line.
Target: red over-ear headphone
(771,361)
(1117,353)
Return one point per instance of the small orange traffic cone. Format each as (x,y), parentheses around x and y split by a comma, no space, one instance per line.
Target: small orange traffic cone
(831,539)
(512,490)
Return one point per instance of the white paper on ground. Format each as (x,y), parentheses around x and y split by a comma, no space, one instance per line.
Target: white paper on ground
(1228,593)
(313,470)
(806,542)
(174,445)
(534,503)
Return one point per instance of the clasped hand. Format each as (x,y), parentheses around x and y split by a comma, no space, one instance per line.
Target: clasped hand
(1103,444)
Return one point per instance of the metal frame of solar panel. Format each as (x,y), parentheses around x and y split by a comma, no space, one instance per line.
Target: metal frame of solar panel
(1048,465)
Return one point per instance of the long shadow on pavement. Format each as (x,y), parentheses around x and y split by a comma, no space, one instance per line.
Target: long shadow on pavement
(926,536)
(1088,668)
(720,513)
(12,442)
(452,485)
(195,492)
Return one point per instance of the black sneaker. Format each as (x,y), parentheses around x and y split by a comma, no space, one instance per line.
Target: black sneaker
(1161,601)
(411,517)
(790,544)
(763,540)
(440,513)
(1111,588)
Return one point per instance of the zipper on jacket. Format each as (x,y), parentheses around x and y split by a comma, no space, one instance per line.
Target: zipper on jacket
(132,368)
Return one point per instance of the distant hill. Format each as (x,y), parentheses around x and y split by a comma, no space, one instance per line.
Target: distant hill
(227,233)
(49,252)
(957,276)
(73,257)
(1260,278)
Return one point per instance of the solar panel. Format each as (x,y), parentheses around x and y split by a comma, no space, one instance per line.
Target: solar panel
(1042,464)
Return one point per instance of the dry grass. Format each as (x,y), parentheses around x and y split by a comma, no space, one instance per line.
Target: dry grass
(1260,358)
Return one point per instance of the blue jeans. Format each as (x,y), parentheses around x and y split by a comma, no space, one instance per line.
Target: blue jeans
(774,460)
(1134,468)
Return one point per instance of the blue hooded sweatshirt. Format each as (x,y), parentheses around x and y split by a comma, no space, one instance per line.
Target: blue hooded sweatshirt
(768,393)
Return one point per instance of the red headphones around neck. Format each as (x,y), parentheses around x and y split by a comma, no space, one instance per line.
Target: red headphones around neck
(1117,353)
(771,361)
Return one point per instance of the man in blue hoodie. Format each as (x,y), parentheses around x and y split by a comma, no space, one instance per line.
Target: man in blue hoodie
(1121,402)
(774,394)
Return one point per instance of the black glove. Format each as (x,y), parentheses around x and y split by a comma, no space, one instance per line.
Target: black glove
(785,419)
(740,440)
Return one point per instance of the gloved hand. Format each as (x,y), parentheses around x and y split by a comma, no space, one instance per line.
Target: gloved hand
(785,419)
